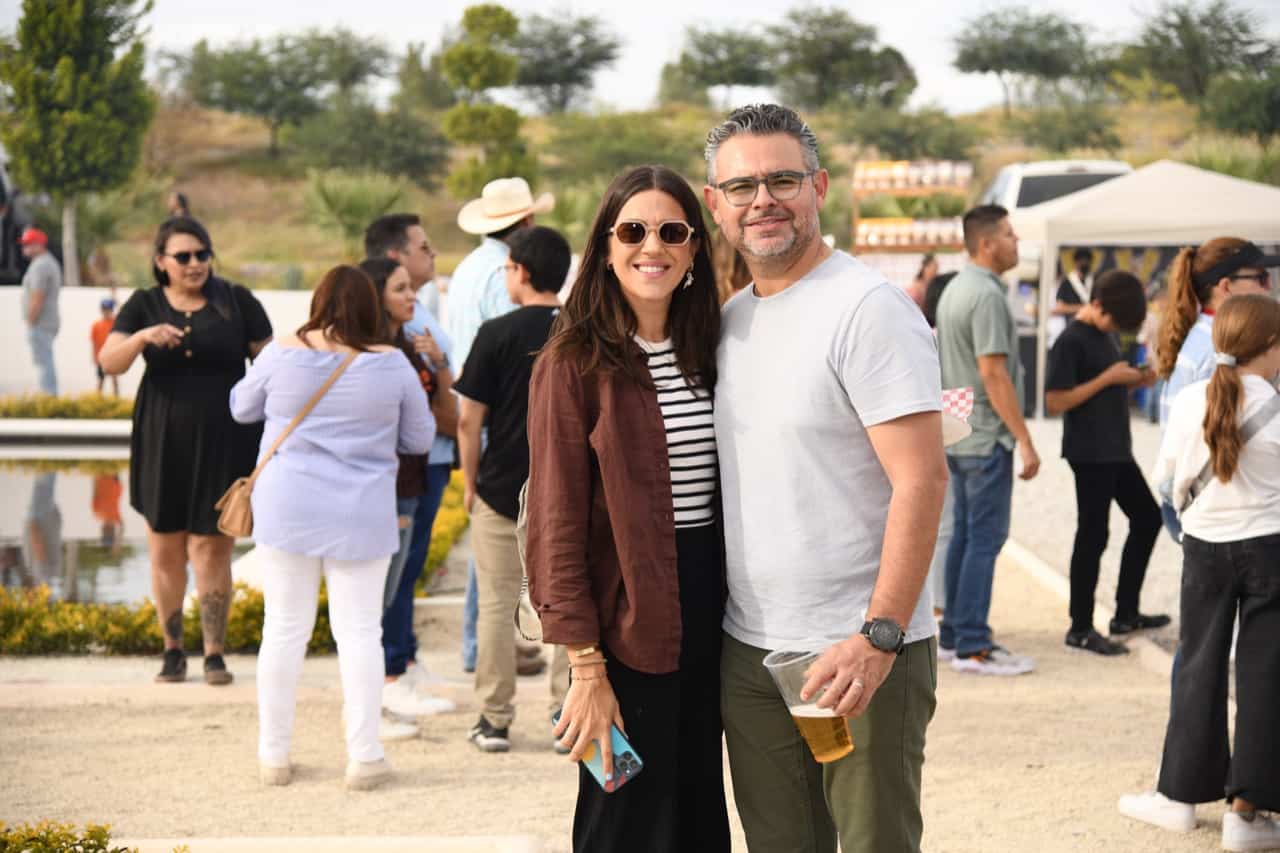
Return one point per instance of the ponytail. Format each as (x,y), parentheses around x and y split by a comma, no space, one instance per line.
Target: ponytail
(1181,314)
(1221,421)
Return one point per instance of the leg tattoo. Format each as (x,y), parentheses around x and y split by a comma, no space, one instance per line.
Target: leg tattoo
(214,607)
(173,627)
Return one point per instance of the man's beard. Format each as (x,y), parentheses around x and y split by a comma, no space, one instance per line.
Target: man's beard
(803,229)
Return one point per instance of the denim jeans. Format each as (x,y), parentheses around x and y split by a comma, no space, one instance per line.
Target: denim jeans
(405,508)
(41,342)
(399,645)
(982,487)
(470,619)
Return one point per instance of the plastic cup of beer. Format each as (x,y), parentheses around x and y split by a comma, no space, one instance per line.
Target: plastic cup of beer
(826,733)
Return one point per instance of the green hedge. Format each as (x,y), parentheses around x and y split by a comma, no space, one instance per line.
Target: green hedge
(33,623)
(90,406)
(50,837)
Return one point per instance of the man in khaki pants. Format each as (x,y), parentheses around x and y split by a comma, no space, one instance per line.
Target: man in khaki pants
(494,389)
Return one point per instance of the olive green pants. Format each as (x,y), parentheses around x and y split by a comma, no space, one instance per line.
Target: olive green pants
(870,799)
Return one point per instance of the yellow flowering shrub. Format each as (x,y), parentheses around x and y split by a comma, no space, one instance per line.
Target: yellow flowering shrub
(89,406)
(49,837)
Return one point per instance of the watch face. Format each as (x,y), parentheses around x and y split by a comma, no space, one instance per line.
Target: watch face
(884,635)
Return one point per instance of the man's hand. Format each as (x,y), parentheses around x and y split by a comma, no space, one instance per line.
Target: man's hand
(1121,373)
(852,671)
(1030,460)
(468,498)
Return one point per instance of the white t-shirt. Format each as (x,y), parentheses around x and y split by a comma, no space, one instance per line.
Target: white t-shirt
(801,375)
(1249,504)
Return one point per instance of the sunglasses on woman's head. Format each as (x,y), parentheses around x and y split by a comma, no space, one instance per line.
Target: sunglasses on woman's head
(184,258)
(632,232)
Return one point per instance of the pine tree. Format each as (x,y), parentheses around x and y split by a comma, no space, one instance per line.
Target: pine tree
(78,106)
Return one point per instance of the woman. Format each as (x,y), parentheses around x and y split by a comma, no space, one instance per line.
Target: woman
(919,287)
(194,331)
(395,292)
(1231,565)
(324,505)
(624,548)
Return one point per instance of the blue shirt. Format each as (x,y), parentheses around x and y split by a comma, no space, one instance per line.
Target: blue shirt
(425,320)
(1195,362)
(330,491)
(477,293)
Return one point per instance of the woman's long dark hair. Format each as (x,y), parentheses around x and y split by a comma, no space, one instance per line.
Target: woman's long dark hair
(597,326)
(346,309)
(379,270)
(1186,300)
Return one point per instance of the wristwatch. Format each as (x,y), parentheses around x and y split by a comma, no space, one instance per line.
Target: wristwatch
(436,367)
(884,634)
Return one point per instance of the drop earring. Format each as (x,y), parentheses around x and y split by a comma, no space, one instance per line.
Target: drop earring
(688,278)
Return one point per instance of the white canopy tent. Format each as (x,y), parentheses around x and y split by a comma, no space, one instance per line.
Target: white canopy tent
(1165,203)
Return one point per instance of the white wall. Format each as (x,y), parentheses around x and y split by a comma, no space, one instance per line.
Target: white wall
(73,350)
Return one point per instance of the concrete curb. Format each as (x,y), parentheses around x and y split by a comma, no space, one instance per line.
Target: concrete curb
(1152,658)
(381,844)
(62,429)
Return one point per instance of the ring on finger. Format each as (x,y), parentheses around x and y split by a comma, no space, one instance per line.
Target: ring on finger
(857,682)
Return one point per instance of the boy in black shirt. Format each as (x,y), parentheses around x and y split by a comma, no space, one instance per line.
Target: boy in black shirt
(494,390)
(1090,382)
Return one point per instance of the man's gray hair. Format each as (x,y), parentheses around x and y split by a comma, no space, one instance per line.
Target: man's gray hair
(762,120)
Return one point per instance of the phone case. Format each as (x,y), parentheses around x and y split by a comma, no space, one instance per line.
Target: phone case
(626,762)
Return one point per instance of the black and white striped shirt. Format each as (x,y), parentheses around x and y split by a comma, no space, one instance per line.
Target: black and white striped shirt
(691,437)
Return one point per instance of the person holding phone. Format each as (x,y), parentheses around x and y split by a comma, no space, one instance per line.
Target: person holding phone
(624,549)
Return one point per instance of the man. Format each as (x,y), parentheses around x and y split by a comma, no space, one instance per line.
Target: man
(978,345)
(477,293)
(494,387)
(1074,292)
(40,286)
(400,236)
(830,448)
(1088,383)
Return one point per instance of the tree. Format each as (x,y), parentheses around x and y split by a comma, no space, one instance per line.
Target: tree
(560,55)
(354,135)
(903,135)
(344,59)
(79,106)
(598,147)
(478,61)
(1188,45)
(728,57)
(348,201)
(1245,104)
(1071,124)
(279,83)
(422,86)
(677,86)
(1015,42)
(822,56)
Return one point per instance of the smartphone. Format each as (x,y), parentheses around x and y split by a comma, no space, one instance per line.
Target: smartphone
(626,762)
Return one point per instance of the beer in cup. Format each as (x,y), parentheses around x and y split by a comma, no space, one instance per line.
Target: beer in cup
(826,733)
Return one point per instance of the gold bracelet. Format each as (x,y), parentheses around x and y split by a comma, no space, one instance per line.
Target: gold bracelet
(586,650)
(575,664)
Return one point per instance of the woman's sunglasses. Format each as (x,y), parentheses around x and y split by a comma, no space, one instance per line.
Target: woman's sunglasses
(184,258)
(673,232)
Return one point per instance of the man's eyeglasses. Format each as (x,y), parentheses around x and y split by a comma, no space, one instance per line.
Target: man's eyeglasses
(673,232)
(184,258)
(783,186)
(1262,279)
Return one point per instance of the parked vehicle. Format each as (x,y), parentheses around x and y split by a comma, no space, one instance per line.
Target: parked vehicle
(1020,185)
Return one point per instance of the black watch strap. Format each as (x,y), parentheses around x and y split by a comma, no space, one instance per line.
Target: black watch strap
(884,634)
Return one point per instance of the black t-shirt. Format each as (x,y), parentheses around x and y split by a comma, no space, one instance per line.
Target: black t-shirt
(1067,293)
(497,374)
(1098,429)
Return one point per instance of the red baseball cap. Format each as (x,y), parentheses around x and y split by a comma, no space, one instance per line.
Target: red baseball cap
(33,235)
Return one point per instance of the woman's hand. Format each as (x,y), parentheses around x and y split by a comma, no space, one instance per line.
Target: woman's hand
(164,335)
(589,713)
(424,344)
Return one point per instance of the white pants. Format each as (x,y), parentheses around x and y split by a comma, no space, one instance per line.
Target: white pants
(290,591)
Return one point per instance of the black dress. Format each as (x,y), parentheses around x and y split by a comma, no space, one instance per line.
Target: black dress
(185,448)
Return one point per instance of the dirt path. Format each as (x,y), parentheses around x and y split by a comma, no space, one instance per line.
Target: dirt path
(1033,763)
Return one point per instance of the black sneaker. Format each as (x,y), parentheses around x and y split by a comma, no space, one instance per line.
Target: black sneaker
(175,666)
(1092,641)
(487,738)
(1138,622)
(215,671)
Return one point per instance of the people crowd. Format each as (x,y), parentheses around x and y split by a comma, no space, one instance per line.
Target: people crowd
(726,442)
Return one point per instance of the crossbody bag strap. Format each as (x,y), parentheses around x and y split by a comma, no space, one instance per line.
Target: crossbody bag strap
(1251,427)
(306,410)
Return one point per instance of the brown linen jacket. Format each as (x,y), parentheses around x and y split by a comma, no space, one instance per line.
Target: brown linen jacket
(601,548)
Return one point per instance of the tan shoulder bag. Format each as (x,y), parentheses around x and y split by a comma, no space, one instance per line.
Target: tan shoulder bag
(236,510)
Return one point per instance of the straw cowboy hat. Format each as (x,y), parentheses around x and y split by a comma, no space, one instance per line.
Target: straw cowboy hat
(503,202)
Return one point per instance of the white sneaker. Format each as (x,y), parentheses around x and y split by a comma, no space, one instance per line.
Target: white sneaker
(1156,809)
(994,661)
(421,680)
(366,775)
(401,700)
(1261,833)
(946,655)
(390,729)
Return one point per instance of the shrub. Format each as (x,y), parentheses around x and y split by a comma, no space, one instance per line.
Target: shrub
(84,467)
(50,837)
(451,521)
(1072,124)
(348,201)
(90,406)
(1234,155)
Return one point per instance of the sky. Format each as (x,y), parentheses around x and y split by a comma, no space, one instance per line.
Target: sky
(651,31)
